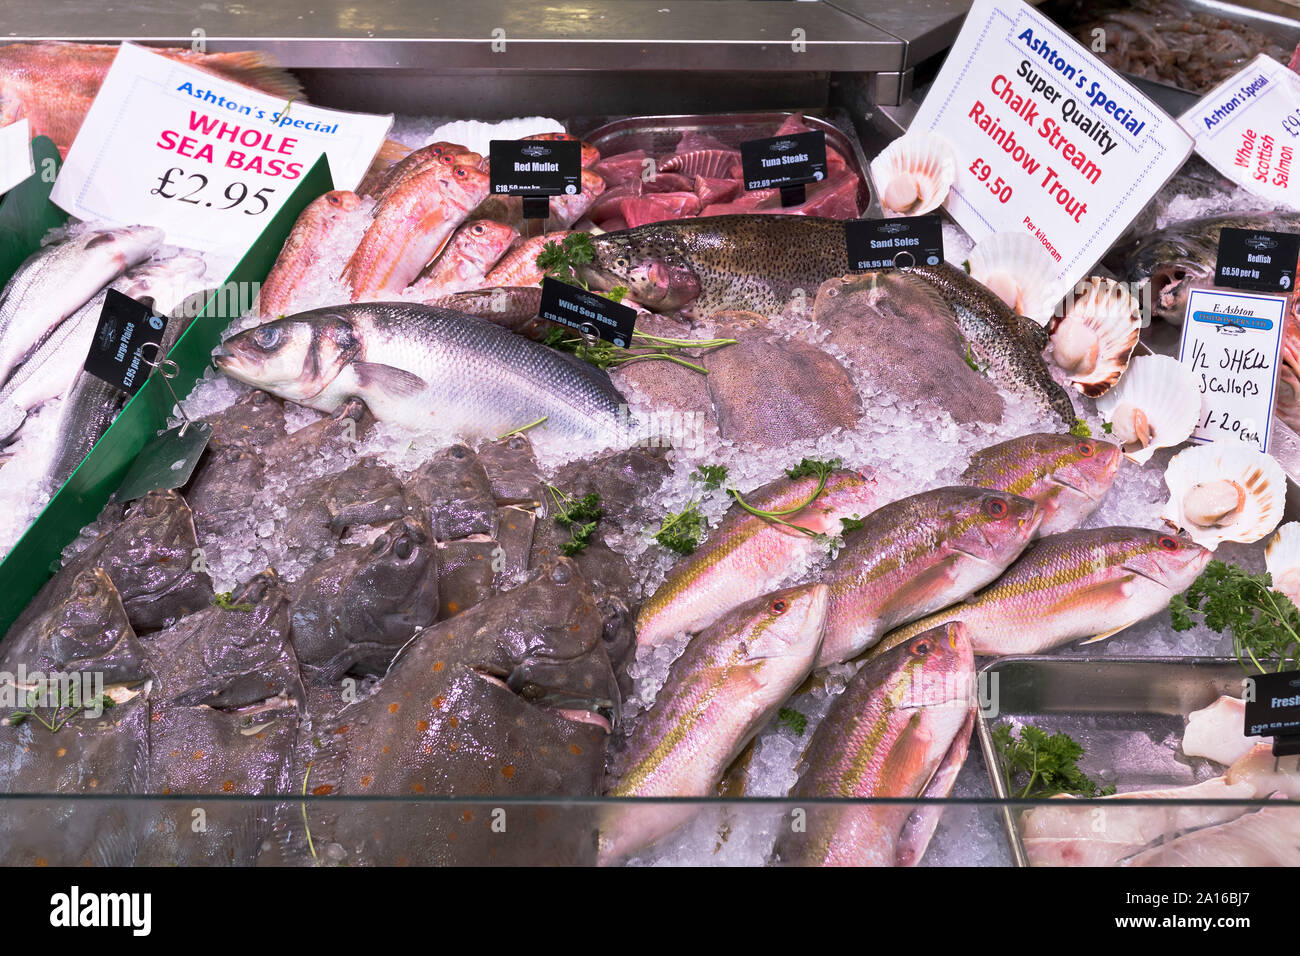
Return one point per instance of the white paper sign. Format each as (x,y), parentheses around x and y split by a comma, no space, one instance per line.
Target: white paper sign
(1232,342)
(204,159)
(15,154)
(1050,141)
(1248,128)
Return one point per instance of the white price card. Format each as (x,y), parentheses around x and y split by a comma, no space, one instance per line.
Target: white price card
(15,154)
(1248,128)
(206,160)
(1050,141)
(1232,342)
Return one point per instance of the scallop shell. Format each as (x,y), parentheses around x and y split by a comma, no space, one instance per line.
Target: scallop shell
(914,173)
(1094,340)
(1015,267)
(1282,558)
(1225,491)
(1155,405)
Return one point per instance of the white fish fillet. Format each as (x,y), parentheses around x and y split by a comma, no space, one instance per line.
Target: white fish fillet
(1217,732)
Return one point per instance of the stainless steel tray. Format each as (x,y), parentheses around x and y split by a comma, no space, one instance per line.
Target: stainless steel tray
(659,134)
(1114,700)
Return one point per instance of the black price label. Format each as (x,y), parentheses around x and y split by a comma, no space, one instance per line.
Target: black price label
(1255,260)
(125,327)
(894,243)
(587,312)
(784,160)
(530,167)
(1273,710)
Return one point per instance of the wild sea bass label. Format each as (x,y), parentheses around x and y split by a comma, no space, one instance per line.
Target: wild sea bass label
(586,312)
(1050,141)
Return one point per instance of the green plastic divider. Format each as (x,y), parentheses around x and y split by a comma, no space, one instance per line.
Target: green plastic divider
(26,213)
(36,556)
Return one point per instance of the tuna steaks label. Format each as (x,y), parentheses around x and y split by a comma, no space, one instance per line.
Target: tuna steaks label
(778,161)
(529,167)
(1232,343)
(894,243)
(15,154)
(1248,128)
(1259,261)
(586,312)
(125,326)
(206,160)
(1273,710)
(1049,140)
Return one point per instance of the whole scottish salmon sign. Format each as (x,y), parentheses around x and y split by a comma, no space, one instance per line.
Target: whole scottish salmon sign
(1248,128)
(207,160)
(1049,140)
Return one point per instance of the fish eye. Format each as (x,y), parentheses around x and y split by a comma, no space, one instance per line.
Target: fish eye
(403,548)
(621,262)
(922,646)
(462,172)
(1167,542)
(996,508)
(1087,449)
(478,228)
(778,606)
(267,337)
(333,199)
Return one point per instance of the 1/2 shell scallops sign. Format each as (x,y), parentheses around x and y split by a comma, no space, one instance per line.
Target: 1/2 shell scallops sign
(207,160)
(1049,140)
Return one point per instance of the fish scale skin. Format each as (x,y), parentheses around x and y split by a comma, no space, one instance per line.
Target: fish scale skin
(878,740)
(878,580)
(746,556)
(482,376)
(999,338)
(750,262)
(1044,599)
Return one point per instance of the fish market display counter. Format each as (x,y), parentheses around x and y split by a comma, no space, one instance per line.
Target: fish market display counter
(820,565)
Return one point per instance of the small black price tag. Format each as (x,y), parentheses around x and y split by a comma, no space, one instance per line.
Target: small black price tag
(1273,710)
(587,312)
(784,160)
(530,167)
(1256,260)
(894,243)
(125,327)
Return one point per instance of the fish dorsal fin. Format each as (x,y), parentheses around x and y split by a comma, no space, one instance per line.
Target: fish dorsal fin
(932,295)
(397,382)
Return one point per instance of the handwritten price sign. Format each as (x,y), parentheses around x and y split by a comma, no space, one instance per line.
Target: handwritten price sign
(1232,342)
(207,160)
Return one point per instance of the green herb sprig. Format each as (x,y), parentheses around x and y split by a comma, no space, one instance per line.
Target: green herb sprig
(1265,625)
(681,532)
(55,724)
(789,717)
(1080,429)
(805,468)
(579,515)
(226,601)
(1046,765)
(710,476)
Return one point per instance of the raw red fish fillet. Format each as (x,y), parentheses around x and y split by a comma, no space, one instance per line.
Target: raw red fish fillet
(658,207)
(670,183)
(693,139)
(622,167)
(610,202)
(835,198)
(713,191)
(702,162)
(614,224)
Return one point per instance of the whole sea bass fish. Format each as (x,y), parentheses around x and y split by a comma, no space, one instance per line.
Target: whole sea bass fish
(917,555)
(1009,344)
(901,729)
(56,281)
(422,366)
(1091,583)
(1182,256)
(727,683)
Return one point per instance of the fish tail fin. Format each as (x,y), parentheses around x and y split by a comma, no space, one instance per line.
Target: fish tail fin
(252,68)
